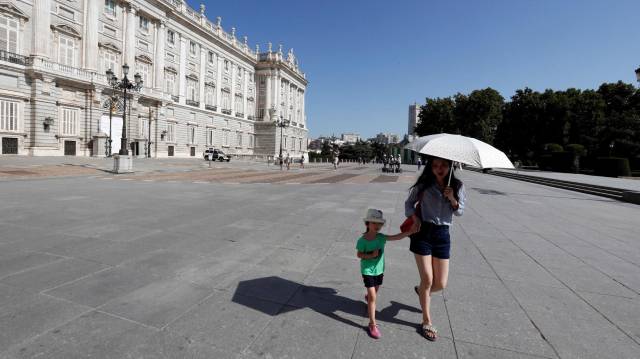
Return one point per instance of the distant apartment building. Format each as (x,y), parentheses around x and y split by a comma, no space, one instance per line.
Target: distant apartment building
(414,110)
(350,137)
(387,138)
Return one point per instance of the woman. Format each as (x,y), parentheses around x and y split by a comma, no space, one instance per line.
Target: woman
(432,203)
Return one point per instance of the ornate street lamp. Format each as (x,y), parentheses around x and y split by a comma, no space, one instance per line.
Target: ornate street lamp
(282,123)
(638,74)
(124,85)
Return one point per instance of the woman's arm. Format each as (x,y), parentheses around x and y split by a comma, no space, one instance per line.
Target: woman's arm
(410,203)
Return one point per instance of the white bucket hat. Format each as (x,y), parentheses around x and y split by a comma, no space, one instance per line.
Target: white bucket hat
(375,216)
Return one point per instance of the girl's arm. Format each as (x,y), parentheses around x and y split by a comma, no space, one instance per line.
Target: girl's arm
(363,255)
(414,229)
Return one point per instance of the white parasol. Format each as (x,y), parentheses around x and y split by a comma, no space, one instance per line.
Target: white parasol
(461,149)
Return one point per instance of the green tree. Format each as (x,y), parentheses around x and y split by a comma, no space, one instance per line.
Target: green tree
(436,116)
(479,113)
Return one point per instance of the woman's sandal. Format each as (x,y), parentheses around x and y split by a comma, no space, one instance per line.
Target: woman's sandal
(430,332)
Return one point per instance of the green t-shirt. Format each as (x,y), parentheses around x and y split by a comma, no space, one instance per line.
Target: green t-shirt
(374,266)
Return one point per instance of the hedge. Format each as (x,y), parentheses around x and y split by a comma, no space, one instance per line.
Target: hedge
(612,167)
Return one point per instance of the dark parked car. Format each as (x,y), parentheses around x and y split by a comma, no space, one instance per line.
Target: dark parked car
(218,155)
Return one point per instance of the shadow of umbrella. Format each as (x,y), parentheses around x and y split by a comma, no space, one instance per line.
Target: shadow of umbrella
(326,301)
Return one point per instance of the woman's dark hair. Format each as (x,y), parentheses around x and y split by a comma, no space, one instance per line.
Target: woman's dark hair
(427,178)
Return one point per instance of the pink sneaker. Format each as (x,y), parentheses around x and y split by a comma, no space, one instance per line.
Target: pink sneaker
(374,332)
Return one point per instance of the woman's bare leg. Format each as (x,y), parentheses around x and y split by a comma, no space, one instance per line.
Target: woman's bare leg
(425,270)
(440,274)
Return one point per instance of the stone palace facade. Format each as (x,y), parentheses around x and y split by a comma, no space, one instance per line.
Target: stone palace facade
(203,86)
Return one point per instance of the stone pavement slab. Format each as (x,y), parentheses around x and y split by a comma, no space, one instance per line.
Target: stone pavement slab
(119,269)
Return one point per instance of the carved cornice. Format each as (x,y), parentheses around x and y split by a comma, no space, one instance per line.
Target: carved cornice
(109,46)
(9,8)
(144,58)
(67,30)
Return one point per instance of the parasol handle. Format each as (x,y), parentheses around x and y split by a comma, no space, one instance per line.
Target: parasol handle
(450,172)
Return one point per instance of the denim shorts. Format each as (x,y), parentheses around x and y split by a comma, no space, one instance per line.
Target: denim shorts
(432,240)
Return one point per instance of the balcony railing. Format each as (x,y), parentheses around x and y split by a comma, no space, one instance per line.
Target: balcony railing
(239,114)
(251,118)
(226,112)
(67,71)
(14,58)
(193,103)
(175,98)
(211,107)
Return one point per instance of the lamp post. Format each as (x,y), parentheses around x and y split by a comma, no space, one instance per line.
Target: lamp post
(638,74)
(124,85)
(282,123)
(113,100)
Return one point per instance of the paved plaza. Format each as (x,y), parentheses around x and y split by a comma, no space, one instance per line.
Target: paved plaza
(245,261)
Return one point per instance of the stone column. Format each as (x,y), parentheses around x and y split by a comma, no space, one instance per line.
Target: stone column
(159,60)
(203,66)
(130,40)
(267,97)
(233,88)
(304,117)
(41,20)
(182,72)
(245,92)
(278,81)
(91,36)
(218,83)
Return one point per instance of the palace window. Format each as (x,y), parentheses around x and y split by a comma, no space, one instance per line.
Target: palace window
(8,34)
(171,37)
(192,48)
(226,100)
(225,138)
(251,108)
(251,140)
(8,116)
(110,61)
(144,24)
(69,123)
(211,57)
(110,7)
(238,104)
(66,51)
(144,128)
(226,66)
(192,89)
(239,139)
(171,132)
(191,134)
(210,133)
(144,69)
(209,95)
(170,82)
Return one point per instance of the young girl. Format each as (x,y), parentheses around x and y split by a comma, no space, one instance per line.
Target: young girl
(438,201)
(370,249)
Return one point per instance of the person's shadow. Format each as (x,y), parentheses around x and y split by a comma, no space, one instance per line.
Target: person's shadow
(253,293)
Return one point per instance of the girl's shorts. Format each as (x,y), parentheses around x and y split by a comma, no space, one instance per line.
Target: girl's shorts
(372,280)
(432,240)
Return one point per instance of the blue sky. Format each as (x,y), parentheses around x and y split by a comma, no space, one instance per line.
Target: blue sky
(368,60)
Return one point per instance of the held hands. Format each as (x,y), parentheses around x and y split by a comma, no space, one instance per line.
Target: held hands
(374,254)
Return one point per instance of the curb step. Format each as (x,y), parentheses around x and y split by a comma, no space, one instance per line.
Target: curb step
(601,191)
